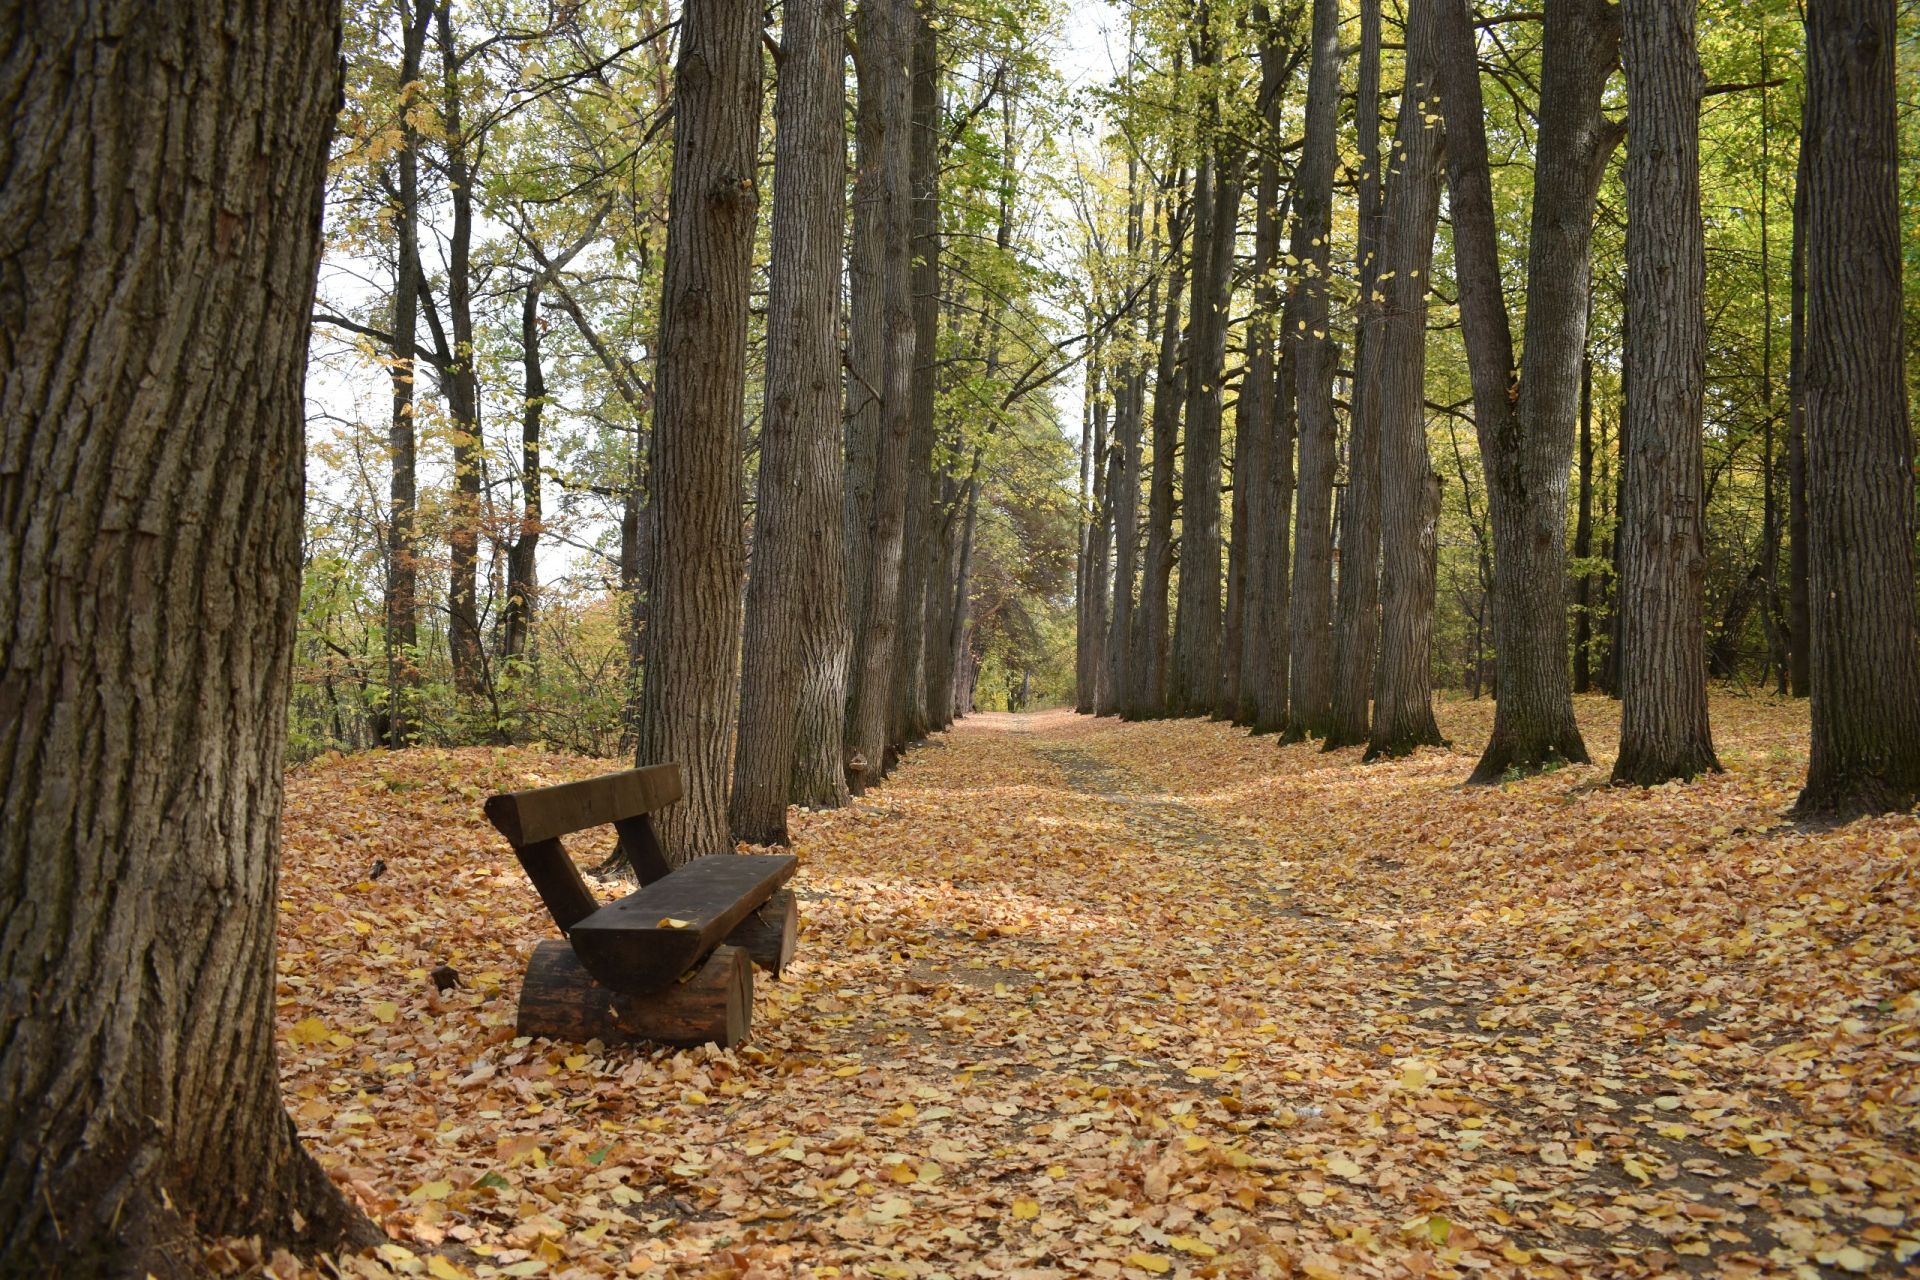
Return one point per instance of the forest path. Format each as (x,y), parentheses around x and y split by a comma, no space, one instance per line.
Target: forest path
(1083,998)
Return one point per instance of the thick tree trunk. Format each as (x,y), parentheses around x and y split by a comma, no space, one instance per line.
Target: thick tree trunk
(1664,733)
(693,592)
(911,718)
(866,332)
(1356,616)
(795,635)
(460,381)
(1865,659)
(885,51)
(1195,685)
(154,302)
(1526,428)
(402,595)
(1314,357)
(1254,420)
(1409,495)
(1148,695)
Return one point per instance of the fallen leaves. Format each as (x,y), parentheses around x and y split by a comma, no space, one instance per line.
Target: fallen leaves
(1080,998)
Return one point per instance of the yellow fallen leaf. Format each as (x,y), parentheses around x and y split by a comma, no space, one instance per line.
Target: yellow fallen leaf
(441,1269)
(308,1031)
(386,1010)
(1341,1167)
(1190,1244)
(1024,1209)
(1149,1262)
(670,922)
(1847,1259)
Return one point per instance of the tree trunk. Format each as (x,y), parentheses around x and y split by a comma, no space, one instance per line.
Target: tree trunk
(1253,470)
(885,50)
(1314,358)
(460,382)
(1099,548)
(402,594)
(693,591)
(1865,659)
(795,635)
(1356,618)
(1123,478)
(910,687)
(1197,631)
(960,662)
(1083,679)
(1409,496)
(1664,733)
(158,281)
(1770,523)
(1526,428)
(1799,607)
(1148,696)
(523,559)
(1583,538)
(940,604)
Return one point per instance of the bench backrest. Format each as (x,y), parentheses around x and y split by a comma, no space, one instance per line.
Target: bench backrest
(534,820)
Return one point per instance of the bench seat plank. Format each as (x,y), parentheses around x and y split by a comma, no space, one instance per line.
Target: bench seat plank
(624,945)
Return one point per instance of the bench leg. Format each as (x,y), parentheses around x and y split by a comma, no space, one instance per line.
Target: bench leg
(771,933)
(560,1000)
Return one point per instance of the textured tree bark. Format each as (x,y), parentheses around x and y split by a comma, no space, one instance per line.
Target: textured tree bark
(795,635)
(1195,685)
(1356,616)
(693,590)
(1526,425)
(866,334)
(886,48)
(1865,657)
(911,719)
(402,600)
(1254,419)
(1148,696)
(1314,358)
(161,189)
(1664,732)
(460,379)
(1409,495)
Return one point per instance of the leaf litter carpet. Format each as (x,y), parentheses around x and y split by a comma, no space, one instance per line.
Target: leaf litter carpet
(1078,998)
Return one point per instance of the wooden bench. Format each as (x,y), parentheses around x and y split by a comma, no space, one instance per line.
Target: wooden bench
(670,962)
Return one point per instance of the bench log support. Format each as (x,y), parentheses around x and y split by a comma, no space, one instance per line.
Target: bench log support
(562,1001)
